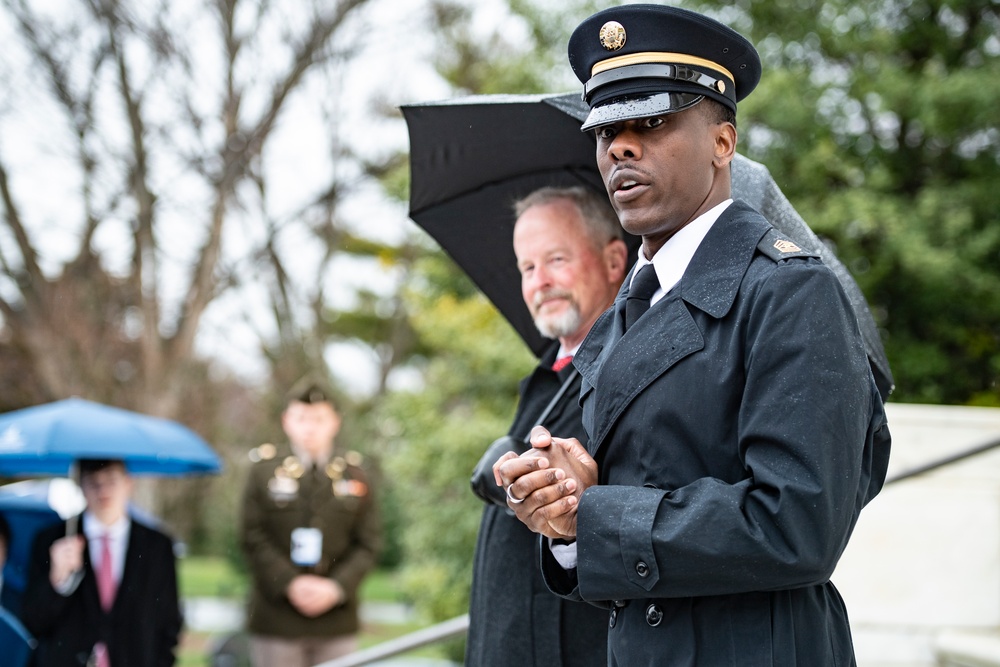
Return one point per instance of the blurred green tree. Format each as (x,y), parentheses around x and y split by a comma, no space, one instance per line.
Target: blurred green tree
(879,122)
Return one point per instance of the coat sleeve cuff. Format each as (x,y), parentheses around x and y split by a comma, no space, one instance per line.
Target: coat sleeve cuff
(615,552)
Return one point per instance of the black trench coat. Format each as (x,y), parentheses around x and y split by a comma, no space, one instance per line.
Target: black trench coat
(738,432)
(513,618)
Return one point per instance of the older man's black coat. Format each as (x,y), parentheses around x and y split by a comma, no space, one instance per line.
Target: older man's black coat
(514,618)
(144,624)
(739,433)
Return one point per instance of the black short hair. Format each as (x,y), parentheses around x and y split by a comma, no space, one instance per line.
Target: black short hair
(90,466)
(717,112)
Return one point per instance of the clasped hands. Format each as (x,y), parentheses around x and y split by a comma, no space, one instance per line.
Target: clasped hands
(313,595)
(547,481)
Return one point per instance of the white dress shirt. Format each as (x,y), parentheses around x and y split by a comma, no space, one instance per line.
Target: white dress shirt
(93,530)
(117,533)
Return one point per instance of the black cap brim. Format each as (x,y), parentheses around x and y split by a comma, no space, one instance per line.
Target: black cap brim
(639,106)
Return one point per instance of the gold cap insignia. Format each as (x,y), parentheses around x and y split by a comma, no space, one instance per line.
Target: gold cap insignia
(721,85)
(612,35)
(786,246)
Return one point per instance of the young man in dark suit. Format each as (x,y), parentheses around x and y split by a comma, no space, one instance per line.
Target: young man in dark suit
(109,594)
(735,429)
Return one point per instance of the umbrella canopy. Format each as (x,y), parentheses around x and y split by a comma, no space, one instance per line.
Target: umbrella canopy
(47,439)
(16,641)
(471,158)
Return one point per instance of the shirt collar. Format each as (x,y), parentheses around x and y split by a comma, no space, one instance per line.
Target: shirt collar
(671,261)
(306,460)
(93,529)
(563,352)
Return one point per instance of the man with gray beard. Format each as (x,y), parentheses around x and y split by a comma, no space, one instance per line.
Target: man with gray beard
(572,260)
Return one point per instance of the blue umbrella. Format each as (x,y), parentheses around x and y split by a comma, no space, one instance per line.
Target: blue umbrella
(47,439)
(17,643)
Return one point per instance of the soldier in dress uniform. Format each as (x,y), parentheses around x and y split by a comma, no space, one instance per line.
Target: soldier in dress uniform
(735,429)
(310,532)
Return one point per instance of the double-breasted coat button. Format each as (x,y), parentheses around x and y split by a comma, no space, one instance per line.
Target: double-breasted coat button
(654,615)
(642,569)
(613,618)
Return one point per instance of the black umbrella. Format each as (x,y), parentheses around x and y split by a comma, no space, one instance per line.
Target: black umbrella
(471,158)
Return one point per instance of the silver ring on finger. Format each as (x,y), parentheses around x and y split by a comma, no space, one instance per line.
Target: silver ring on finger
(511,499)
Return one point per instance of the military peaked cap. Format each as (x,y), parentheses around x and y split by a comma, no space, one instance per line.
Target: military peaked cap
(637,61)
(311,390)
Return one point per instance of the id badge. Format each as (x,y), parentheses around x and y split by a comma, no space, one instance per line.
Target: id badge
(307,546)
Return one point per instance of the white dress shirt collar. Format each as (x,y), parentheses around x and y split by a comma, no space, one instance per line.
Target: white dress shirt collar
(563,352)
(118,533)
(671,261)
(307,460)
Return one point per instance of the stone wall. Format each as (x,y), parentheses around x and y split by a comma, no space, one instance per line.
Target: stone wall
(921,575)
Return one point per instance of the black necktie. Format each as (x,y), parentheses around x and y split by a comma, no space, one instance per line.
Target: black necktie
(643,286)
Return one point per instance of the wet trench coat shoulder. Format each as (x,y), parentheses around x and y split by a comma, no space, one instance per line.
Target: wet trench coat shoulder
(739,433)
(514,618)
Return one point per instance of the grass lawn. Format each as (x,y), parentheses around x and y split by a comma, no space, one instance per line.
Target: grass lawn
(217,577)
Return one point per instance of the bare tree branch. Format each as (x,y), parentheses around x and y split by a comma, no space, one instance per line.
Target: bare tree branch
(29,256)
(241,147)
(145,277)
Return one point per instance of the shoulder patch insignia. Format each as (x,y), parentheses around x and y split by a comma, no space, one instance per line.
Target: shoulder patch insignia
(780,248)
(784,246)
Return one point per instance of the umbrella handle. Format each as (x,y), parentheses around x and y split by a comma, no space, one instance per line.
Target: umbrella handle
(71,523)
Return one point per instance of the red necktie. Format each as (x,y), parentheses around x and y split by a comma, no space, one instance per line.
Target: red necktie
(106,589)
(562,362)
(106,584)
(101,656)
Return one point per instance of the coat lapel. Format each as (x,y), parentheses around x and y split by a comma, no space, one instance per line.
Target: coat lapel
(128,581)
(617,366)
